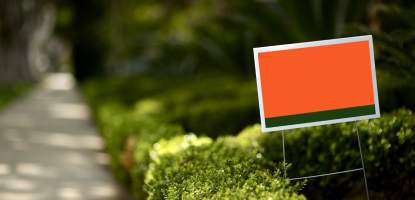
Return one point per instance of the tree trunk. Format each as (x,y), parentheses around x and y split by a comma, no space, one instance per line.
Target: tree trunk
(18,21)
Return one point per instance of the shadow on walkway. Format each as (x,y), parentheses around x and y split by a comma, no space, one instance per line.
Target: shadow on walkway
(50,148)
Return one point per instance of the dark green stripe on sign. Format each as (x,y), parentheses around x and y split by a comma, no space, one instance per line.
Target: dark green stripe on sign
(320,116)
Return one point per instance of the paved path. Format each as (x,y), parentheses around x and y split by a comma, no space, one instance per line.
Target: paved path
(50,148)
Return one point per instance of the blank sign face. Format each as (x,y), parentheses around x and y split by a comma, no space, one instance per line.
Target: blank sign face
(316,83)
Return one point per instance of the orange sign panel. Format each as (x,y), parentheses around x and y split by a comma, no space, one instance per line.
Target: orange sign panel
(316,83)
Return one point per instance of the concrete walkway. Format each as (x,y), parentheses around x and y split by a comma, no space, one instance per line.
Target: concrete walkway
(50,148)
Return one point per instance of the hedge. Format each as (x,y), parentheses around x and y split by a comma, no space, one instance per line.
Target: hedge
(133,122)
(199,104)
(388,146)
(131,134)
(187,167)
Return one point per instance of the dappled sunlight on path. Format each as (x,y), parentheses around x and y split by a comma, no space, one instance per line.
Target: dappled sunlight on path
(50,149)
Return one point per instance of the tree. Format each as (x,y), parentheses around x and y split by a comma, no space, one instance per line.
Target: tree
(25,25)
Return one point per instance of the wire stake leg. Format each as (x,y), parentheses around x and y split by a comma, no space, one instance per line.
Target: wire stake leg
(283,152)
(361,156)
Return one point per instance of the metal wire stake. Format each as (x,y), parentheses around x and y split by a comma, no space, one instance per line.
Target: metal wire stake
(305,177)
(283,152)
(361,156)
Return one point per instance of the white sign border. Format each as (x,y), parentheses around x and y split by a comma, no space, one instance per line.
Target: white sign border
(314,44)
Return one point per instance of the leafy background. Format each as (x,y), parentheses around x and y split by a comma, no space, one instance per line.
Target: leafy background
(158,72)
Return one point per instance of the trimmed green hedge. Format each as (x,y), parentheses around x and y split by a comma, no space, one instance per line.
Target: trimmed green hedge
(187,167)
(131,133)
(388,146)
(132,123)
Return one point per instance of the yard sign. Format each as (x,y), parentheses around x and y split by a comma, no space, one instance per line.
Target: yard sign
(316,83)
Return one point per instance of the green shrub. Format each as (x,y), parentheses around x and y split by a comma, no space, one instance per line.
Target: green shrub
(132,122)
(395,91)
(116,126)
(200,104)
(187,167)
(129,134)
(388,144)
(147,138)
(205,102)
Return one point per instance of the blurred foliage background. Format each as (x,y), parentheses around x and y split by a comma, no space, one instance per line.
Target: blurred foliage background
(176,38)
(156,69)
